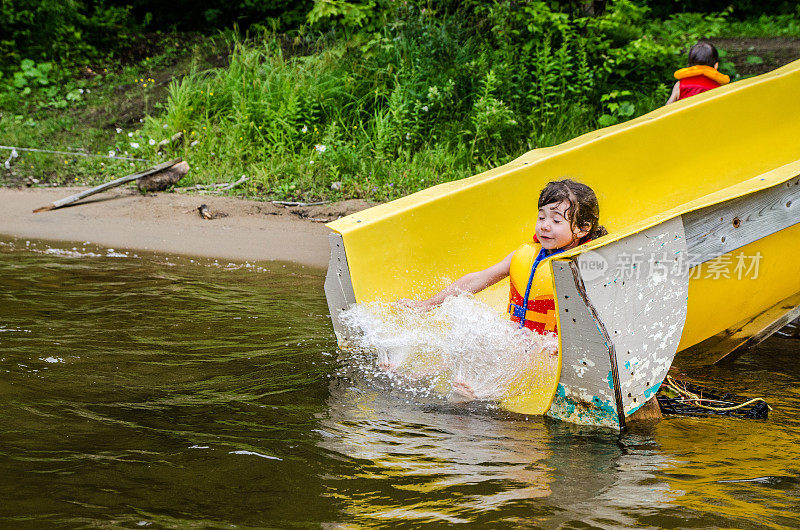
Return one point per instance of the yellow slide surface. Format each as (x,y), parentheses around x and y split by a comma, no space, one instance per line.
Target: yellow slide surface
(710,148)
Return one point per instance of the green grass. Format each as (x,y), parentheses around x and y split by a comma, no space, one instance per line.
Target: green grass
(765,26)
(310,117)
(301,127)
(108,98)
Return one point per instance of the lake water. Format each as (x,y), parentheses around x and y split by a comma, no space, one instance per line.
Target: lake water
(146,391)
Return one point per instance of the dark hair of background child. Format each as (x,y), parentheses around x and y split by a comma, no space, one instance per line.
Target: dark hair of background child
(703,53)
(583,207)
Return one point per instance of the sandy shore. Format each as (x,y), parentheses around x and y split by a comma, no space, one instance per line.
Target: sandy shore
(170,222)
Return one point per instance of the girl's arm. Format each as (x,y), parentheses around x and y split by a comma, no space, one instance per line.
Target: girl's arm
(676,92)
(473,282)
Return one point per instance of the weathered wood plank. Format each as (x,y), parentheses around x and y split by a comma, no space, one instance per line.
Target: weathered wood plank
(743,336)
(338,286)
(585,393)
(727,226)
(648,413)
(642,301)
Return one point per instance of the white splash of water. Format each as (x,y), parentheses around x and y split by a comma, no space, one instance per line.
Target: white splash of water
(461,350)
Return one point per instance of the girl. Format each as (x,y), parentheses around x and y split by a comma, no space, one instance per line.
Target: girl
(568,217)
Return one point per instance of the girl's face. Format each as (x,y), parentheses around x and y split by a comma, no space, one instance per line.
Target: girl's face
(554,229)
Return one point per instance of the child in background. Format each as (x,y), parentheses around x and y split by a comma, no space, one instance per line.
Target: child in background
(701,75)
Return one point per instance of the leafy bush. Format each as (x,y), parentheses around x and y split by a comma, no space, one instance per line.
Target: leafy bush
(373,98)
(31,73)
(209,16)
(742,9)
(787,25)
(419,98)
(67,31)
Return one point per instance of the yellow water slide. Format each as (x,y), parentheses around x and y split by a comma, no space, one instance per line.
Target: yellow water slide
(702,204)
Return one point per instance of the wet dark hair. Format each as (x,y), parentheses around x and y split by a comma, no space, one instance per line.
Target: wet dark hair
(703,53)
(583,208)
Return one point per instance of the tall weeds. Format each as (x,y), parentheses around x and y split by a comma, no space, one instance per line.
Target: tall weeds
(423,99)
(399,98)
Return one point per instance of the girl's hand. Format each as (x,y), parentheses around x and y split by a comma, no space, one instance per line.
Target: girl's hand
(418,305)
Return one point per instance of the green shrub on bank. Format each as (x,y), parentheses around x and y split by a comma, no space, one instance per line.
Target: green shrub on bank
(787,25)
(62,31)
(374,107)
(427,99)
(298,125)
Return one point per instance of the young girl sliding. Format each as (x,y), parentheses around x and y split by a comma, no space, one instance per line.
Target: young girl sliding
(568,217)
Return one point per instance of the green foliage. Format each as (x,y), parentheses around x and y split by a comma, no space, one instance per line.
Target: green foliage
(36,86)
(363,110)
(348,14)
(491,119)
(743,9)
(726,65)
(31,73)
(69,31)
(210,16)
(557,64)
(76,32)
(786,25)
(685,29)
(619,106)
(373,99)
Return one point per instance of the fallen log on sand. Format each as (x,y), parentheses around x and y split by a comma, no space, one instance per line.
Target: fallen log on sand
(178,163)
(163,179)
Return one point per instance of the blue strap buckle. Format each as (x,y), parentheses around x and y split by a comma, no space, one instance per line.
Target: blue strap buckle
(516,311)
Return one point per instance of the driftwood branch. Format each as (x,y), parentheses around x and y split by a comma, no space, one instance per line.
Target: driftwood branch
(108,185)
(217,187)
(290,203)
(232,185)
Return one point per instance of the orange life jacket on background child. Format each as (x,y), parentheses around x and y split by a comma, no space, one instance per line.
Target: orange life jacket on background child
(699,78)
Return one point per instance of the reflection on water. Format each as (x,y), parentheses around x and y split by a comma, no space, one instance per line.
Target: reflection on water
(154,392)
(450,464)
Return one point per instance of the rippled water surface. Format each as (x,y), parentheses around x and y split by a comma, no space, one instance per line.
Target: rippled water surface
(146,391)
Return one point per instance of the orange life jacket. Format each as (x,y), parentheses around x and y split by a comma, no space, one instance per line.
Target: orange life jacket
(540,313)
(699,78)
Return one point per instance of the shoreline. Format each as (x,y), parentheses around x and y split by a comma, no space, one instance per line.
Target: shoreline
(123,218)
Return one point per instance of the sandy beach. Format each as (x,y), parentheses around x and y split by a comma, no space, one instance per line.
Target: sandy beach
(170,222)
